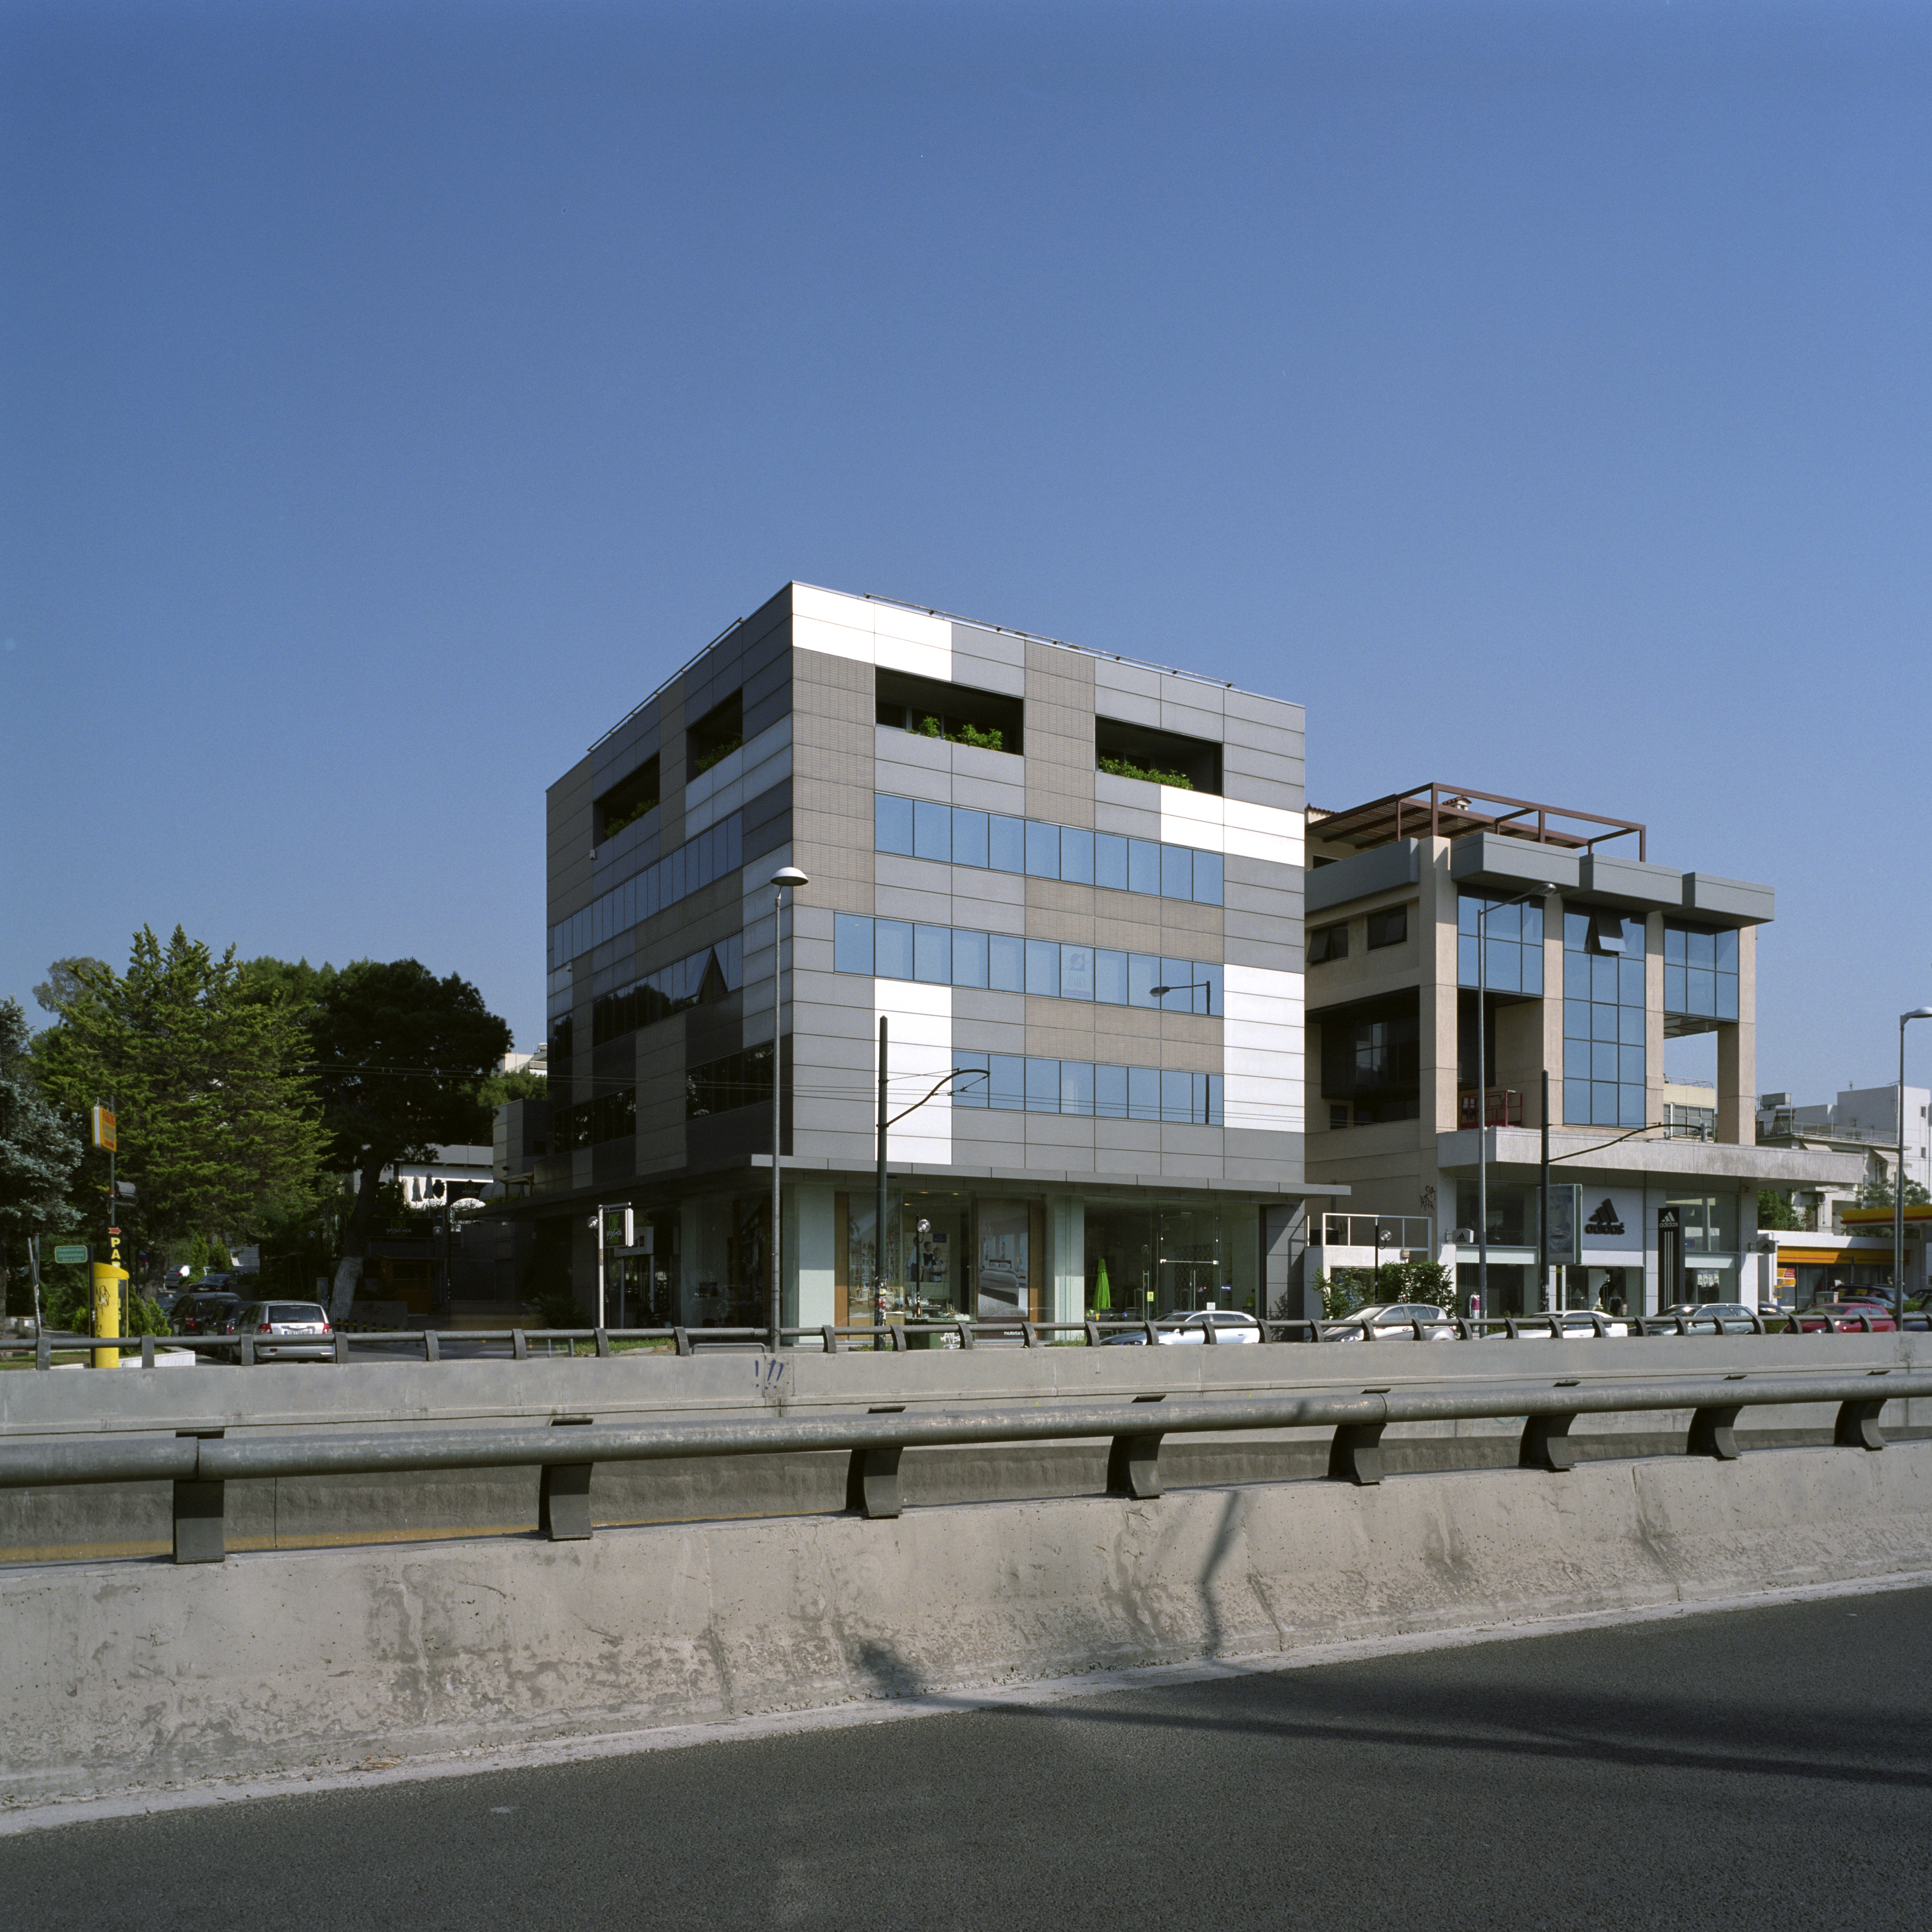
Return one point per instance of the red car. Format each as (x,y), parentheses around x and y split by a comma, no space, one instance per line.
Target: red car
(1844,1317)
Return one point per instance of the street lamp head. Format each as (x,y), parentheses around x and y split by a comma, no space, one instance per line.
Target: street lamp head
(790,875)
(1917,1013)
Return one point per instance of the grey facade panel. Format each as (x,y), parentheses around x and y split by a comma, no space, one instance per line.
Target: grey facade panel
(1381,869)
(1622,882)
(1490,860)
(1729,901)
(1280,795)
(1261,948)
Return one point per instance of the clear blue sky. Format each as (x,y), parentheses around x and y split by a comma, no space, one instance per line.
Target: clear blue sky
(394,394)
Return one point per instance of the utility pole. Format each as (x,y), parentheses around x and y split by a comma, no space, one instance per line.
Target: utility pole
(879,1222)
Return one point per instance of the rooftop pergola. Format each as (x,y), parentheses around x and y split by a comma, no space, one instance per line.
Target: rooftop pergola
(1440,811)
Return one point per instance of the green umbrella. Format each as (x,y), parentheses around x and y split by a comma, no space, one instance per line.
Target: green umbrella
(1102,1295)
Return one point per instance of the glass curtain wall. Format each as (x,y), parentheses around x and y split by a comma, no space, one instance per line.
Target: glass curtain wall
(1603,1019)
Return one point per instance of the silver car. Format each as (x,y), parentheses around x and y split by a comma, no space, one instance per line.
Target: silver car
(1392,1322)
(1229,1325)
(269,1320)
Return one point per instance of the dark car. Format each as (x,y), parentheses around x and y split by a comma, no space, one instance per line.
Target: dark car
(197,1313)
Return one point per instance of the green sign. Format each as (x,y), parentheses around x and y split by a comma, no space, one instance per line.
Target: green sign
(70,1254)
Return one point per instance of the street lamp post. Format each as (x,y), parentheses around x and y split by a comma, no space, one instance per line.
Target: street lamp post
(1898,1179)
(785,875)
(1483,912)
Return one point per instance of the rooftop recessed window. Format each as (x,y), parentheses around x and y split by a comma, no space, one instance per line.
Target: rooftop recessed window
(1161,758)
(959,713)
(716,735)
(626,802)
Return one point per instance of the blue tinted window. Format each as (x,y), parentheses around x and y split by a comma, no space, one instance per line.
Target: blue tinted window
(1110,1093)
(851,943)
(969,836)
(1603,978)
(1143,976)
(1531,963)
(1576,1101)
(1076,972)
(1604,1022)
(1502,958)
(1576,976)
(1602,1061)
(1007,1089)
(1042,849)
(967,1091)
(932,954)
(1629,1064)
(931,831)
(892,948)
(1207,870)
(1603,1103)
(1673,946)
(969,958)
(1215,1085)
(1630,1107)
(1629,981)
(1143,1093)
(1043,967)
(1700,984)
(1177,872)
(1143,865)
(1213,994)
(1727,943)
(1076,1086)
(1576,1059)
(1110,978)
(1177,1096)
(892,824)
(1673,989)
(1629,1026)
(1727,996)
(1576,930)
(1042,1086)
(1110,861)
(1183,995)
(1465,960)
(1006,963)
(1700,949)
(1076,856)
(1006,843)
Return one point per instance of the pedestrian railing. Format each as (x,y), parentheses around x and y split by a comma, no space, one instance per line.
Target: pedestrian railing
(199,1463)
(832,1338)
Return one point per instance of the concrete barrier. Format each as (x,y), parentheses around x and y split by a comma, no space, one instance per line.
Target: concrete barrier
(123,1675)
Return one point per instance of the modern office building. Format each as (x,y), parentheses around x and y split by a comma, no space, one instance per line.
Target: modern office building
(1068,884)
(1593,956)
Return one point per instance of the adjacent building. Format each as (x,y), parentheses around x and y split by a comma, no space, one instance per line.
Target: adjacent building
(1069,886)
(1593,955)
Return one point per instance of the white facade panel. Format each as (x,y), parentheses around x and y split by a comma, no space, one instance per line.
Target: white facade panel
(1262,1051)
(918,1055)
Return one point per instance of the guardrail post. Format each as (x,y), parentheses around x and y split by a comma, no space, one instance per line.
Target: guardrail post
(1547,1444)
(1355,1456)
(600,1341)
(199,1512)
(1711,1434)
(680,1340)
(1152,1339)
(830,1336)
(147,1351)
(965,1334)
(872,1476)
(1133,1462)
(341,1348)
(563,1493)
(1092,1329)
(897,1334)
(1027,1338)
(520,1345)
(1858,1425)
(44,1351)
(246,1351)
(432,1348)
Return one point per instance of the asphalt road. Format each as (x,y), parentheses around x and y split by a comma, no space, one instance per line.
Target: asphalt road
(1760,1769)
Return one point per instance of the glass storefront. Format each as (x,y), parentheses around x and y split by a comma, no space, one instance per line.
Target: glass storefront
(949,1256)
(1148,1259)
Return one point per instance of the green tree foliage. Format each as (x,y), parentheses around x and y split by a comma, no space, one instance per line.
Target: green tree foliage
(40,1153)
(1775,1210)
(217,1120)
(399,1057)
(1879,1194)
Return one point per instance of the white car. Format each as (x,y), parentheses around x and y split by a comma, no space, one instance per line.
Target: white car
(1229,1325)
(1392,1322)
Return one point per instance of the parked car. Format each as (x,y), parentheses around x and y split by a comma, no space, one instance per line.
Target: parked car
(267,1319)
(1710,1318)
(1843,1318)
(1579,1323)
(199,1314)
(1229,1325)
(1393,1322)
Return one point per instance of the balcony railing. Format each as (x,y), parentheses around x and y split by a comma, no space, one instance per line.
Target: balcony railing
(1392,1233)
(1503,1107)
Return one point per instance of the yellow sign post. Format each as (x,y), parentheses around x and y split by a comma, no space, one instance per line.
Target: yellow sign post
(108,1301)
(103,1123)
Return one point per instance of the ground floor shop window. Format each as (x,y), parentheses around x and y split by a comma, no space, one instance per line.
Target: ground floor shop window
(949,1257)
(1156,1261)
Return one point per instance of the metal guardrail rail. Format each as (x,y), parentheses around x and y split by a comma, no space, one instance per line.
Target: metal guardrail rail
(200,1462)
(835,1338)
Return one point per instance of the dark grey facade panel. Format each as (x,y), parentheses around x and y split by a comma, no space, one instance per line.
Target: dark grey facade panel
(771,830)
(1282,795)
(1245,950)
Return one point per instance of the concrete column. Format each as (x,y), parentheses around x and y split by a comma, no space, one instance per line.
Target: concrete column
(1066,1256)
(810,1299)
(1653,1024)
(1737,1053)
(1436,921)
(1552,1011)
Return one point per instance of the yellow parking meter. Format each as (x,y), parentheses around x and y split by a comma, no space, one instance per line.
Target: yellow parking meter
(108,1302)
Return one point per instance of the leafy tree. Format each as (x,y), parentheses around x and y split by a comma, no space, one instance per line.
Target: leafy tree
(399,1055)
(1878,1193)
(1775,1210)
(65,978)
(217,1120)
(39,1151)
